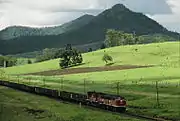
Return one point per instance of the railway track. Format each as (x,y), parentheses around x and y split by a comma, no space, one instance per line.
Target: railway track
(125,114)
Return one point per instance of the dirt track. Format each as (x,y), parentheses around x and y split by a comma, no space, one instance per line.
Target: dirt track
(86,70)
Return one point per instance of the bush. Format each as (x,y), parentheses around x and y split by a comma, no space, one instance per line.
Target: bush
(29,61)
(107,58)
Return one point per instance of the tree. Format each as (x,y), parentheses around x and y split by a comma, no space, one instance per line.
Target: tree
(58,53)
(117,38)
(29,61)
(103,46)
(8,61)
(113,38)
(79,59)
(129,39)
(48,54)
(107,58)
(68,47)
(1,61)
(90,49)
(70,57)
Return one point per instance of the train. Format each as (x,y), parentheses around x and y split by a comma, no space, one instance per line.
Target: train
(114,103)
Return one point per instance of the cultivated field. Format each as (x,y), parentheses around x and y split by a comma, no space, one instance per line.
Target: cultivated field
(138,85)
(86,70)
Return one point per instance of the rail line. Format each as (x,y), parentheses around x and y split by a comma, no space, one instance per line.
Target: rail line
(125,114)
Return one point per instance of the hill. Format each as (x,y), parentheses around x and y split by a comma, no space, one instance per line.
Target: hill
(118,17)
(165,54)
(19,31)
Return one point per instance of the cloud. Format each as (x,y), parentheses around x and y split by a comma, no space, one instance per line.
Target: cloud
(171,21)
(38,13)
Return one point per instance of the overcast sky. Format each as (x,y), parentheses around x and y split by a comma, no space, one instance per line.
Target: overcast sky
(40,13)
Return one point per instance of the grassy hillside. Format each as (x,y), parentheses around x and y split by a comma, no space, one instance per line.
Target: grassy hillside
(166,54)
(138,86)
(18,106)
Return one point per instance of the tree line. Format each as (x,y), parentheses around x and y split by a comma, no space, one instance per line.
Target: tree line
(7,61)
(68,56)
(117,38)
(48,54)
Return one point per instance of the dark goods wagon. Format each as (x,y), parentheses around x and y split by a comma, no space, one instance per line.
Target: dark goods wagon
(73,97)
(109,102)
(46,92)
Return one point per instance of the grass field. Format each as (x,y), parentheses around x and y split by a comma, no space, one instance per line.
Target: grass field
(19,106)
(137,85)
(139,91)
(166,54)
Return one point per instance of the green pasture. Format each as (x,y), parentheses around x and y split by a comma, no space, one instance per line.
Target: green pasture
(164,54)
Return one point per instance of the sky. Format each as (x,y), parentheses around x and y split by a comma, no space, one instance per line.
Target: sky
(41,13)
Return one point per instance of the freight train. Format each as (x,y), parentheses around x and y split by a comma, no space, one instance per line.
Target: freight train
(104,101)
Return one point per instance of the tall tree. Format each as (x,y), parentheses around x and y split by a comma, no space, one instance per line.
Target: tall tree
(70,57)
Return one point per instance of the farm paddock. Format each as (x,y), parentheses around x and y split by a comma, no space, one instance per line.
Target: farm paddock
(88,70)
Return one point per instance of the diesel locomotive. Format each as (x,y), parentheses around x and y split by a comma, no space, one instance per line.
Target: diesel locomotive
(104,101)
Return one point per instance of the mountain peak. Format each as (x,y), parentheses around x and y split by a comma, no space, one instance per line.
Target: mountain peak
(119,7)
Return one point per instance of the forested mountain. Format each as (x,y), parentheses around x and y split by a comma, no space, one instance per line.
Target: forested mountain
(118,17)
(18,31)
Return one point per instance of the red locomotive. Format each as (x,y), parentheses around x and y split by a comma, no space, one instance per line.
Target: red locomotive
(114,103)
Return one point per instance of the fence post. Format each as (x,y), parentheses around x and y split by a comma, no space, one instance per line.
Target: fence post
(61,83)
(29,81)
(157,94)
(18,79)
(84,86)
(117,88)
(80,105)
(44,82)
